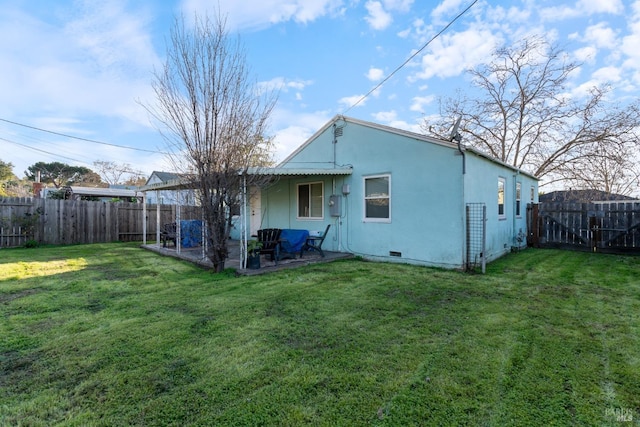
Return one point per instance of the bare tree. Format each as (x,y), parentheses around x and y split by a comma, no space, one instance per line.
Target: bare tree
(214,120)
(525,116)
(612,171)
(118,173)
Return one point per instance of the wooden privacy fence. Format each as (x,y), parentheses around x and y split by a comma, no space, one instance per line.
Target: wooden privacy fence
(61,222)
(599,227)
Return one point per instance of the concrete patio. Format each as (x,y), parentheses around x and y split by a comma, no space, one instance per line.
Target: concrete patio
(195,255)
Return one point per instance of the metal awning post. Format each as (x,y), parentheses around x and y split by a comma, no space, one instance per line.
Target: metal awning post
(178,231)
(144,219)
(157,218)
(203,228)
(243,225)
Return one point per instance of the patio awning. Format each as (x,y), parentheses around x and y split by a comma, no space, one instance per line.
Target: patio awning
(185,182)
(76,192)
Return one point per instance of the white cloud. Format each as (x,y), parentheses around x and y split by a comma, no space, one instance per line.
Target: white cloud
(375,74)
(399,5)
(445,8)
(256,14)
(288,137)
(378,18)
(97,62)
(282,84)
(601,35)
(114,38)
(630,43)
(390,118)
(600,6)
(418,103)
(452,55)
(582,8)
(385,116)
(607,75)
(349,101)
(586,54)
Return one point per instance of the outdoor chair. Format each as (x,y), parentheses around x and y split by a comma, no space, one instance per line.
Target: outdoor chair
(314,243)
(270,239)
(168,233)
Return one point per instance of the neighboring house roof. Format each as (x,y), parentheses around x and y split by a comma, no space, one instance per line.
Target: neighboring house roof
(164,176)
(179,183)
(402,132)
(168,181)
(581,196)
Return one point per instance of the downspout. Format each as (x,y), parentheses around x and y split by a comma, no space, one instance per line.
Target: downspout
(464,210)
(335,142)
(514,240)
(464,159)
(243,225)
(455,136)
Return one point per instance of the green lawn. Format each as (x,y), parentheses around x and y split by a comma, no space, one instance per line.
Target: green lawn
(111,334)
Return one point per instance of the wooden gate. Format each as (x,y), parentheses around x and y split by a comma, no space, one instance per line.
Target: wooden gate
(599,227)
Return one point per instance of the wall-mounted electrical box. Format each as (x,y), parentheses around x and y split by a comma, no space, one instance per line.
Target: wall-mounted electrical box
(346,189)
(335,205)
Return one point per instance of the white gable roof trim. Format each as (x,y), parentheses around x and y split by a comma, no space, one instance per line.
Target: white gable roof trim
(405,133)
(284,171)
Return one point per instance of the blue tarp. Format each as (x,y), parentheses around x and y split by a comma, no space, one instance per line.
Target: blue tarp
(191,233)
(292,240)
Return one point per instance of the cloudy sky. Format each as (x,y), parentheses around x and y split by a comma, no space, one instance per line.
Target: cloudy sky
(84,68)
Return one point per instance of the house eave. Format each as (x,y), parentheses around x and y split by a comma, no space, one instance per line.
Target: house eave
(284,171)
(103,192)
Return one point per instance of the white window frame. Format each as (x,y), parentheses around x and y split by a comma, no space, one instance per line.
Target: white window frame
(502,187)
(309,184)
(365,198)
(518,200)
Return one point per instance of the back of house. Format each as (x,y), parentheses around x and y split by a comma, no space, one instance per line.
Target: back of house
(394,195)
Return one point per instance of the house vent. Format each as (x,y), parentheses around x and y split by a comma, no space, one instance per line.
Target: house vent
(396,254)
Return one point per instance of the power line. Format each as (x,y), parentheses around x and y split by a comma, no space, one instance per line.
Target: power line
(42,151)
(81,139)
(411,57)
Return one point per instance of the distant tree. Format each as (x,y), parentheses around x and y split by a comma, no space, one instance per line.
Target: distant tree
(6,171)
(119,173)
(525,116)
(136,180)
(10,185)
(215,117)
(605,170)
(62,174)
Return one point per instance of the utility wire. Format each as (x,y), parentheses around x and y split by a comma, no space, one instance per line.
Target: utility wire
(411,57)
(81,139)
(42,151)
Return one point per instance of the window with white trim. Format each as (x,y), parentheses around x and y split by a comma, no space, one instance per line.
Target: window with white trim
(533,193)
(518,198)
(377,198)
(501,199)
(310,200)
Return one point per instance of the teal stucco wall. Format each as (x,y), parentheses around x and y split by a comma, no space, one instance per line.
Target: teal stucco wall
(427,199)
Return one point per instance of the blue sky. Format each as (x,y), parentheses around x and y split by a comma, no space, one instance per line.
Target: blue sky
(83,67)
